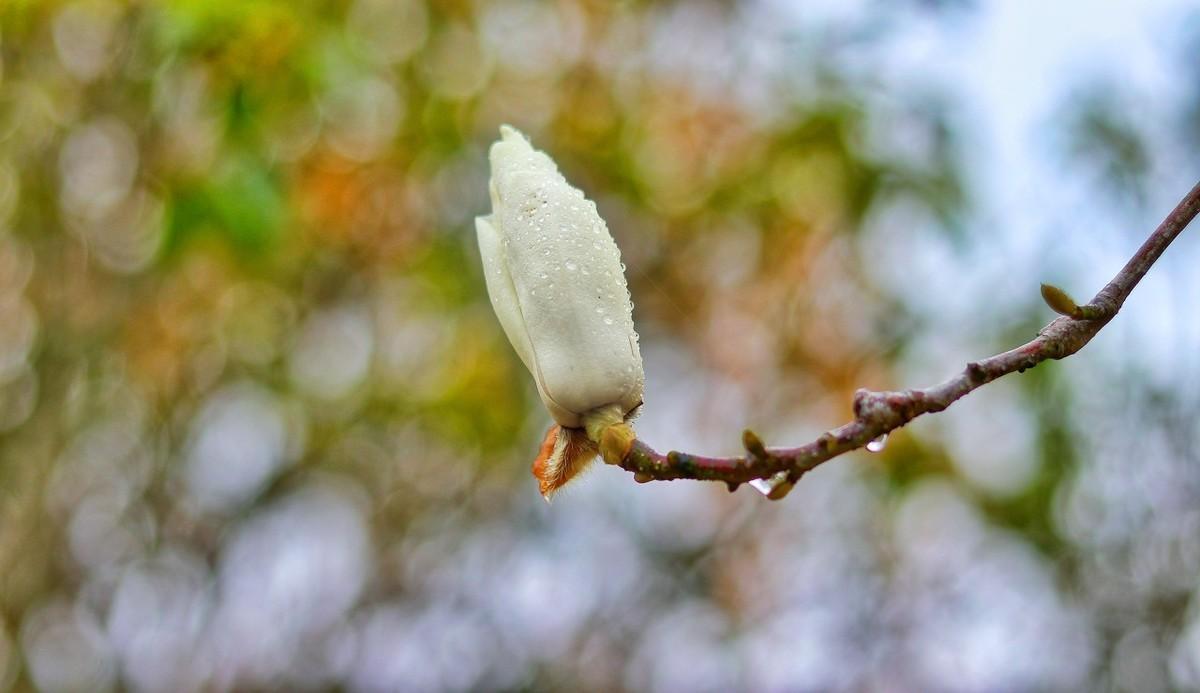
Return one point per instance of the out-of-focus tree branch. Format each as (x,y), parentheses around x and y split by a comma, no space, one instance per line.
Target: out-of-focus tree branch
(878,413)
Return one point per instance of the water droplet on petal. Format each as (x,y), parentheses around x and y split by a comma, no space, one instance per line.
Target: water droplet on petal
(608,321)
(571,266)
(878,444)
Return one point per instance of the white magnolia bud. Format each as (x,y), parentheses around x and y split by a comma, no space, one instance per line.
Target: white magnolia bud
(557,285)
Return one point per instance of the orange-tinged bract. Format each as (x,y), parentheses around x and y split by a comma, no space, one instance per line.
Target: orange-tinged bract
(563,454)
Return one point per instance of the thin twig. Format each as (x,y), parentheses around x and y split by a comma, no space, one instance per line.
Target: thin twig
(878,413)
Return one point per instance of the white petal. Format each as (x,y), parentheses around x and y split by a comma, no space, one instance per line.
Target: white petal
(566,272)
(508,310)
(500,289)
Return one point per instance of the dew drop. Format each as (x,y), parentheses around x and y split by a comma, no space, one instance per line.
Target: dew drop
(571,266)
(761,485)
(878,444)
(608,321)
(768,486)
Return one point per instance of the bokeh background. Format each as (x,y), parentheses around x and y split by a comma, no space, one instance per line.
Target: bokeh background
(260,430)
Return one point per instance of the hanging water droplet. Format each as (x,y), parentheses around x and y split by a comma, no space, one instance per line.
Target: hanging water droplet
(761,485)
(768,486)
(878,444)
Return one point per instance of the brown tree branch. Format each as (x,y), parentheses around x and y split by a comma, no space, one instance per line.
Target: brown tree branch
(878,413)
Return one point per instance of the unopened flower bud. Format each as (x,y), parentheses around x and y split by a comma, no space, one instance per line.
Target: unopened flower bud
(556,282)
